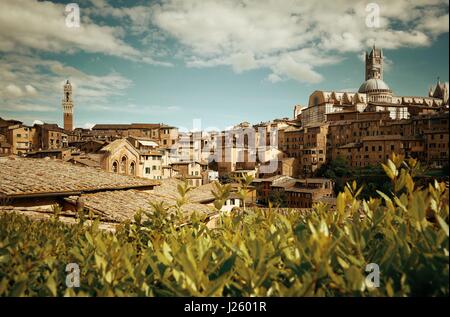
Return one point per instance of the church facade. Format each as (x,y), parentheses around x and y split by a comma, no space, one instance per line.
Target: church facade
(373,95)
(367,126)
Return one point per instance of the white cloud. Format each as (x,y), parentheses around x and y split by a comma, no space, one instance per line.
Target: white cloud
(298,71)
(88,125)
(27,25)
(45,85)
(30,90)
(287,37)
(274,78)
(243,61)
(19,106)
(13,91)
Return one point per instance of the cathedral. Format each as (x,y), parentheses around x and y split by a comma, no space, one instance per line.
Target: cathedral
(67,104)
(373,95)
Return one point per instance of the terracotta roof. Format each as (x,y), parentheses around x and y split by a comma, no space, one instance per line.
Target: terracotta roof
(285,182)
(304,190)
(144,125)
(123,204)
(86,160)
(126,126)
(200,194)
(350,145)
(313,180)
(24,177)
(111,127)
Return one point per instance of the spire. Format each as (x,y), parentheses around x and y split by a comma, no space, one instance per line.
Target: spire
(67,82)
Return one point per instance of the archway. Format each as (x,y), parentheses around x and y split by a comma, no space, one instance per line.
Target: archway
(123,165)
(115,167)
(132,168)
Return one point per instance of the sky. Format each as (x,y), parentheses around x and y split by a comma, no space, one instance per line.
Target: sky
(223,62)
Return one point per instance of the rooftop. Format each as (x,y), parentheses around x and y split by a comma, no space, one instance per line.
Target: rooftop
(200,194)
(373,84)
(25,177)
(121,205)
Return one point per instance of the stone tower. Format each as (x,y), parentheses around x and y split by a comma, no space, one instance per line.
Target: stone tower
(67,104)
(374,64)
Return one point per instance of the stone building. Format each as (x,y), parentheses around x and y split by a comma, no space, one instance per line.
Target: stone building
(194,172)
(121,157)
(307,145)
(370,138)
(152,164)
(5,147)
(22,138)
(168,135)
(60,154)
(367,126)
(163,134)
(373,95)
(293,192)
(50,136)
(88,146)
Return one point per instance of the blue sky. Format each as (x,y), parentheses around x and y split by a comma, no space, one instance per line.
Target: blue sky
(221,62)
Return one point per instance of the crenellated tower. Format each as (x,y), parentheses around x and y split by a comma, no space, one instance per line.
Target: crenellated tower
(67,104)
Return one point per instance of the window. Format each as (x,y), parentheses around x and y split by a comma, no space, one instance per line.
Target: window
(380,148)
(114,167)
(316,101)
(392,147)
(154,167)
(165,142)
(147,170)
(132,168)
(373,148)
(123,165)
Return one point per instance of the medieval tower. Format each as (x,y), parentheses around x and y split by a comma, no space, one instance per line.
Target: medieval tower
(67,104)
(374,64)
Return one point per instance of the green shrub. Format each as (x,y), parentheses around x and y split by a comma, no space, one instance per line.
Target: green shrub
(253,253)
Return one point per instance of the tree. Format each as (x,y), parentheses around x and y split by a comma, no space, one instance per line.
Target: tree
(225,179)
(278,199)
(213,165)
(337,170)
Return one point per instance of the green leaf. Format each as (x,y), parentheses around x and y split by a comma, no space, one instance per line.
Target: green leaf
(443,224)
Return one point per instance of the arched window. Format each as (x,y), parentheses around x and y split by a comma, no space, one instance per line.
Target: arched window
(123,165)
(115,167)
(316,101)
(132,168)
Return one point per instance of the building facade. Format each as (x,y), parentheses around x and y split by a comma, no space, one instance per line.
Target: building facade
(365,127)
(121,157)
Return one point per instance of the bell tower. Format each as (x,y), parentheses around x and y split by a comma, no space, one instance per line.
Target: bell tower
(374,64)
(67,104)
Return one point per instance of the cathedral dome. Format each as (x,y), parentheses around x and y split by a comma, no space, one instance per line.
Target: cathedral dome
(374,85)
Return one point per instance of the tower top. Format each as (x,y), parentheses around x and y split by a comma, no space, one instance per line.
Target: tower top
(374,63)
